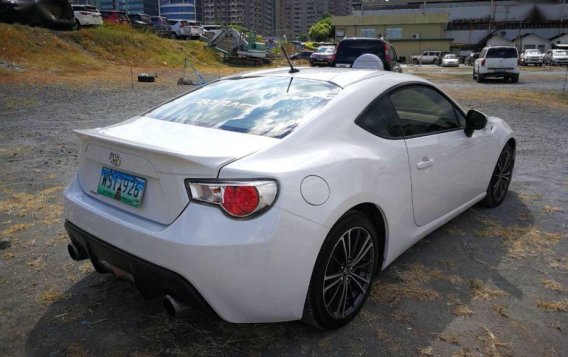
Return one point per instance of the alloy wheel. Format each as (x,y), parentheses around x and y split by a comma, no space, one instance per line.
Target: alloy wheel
(348,272)
(502,175)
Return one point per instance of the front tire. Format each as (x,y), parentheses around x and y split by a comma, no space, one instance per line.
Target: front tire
(343,273)
(501,178)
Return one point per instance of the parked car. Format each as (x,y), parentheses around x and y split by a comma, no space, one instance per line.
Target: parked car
(450,60)
(161,25)
(302,55)
(438,61)
(179,29)
(57,14)
(87,15)
(471,58)
(497,61)
(349,49)
(427,57)
(556,57)
(322,56)
(115,17)
(275,196)
(140,21)
(196,30)
(532,56)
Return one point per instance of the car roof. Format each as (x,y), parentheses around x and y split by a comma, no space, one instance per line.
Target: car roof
(342,77)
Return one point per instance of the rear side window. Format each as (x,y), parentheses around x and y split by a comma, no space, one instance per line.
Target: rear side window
(380,118)
(349,51)
(502,52)
(267,106)
(422,110)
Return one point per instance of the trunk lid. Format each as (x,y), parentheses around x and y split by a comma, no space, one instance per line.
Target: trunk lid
(163,154)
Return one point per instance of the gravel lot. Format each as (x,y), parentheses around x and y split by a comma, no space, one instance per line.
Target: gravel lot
(491,282)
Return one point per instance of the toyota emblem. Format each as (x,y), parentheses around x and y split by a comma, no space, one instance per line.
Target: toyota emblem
(114,159)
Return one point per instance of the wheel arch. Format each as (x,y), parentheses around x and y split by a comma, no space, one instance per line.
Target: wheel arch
(378,218)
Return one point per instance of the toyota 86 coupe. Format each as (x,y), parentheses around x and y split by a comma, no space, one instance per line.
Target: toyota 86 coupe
(278,195)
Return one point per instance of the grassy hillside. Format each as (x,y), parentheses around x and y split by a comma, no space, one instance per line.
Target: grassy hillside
(95,48)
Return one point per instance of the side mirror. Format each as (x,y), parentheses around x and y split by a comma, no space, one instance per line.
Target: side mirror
(474,120)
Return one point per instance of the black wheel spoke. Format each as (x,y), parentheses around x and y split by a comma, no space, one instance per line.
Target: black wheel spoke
(348,272)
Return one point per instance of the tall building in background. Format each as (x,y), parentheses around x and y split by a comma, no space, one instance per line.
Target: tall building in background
(255,15)
(149,7)
(295,17)
(181,9)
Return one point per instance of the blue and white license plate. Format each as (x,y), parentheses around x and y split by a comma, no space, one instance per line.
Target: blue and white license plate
(122,187)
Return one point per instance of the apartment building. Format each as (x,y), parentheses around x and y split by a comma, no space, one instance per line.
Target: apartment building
(255,15)
(295,17)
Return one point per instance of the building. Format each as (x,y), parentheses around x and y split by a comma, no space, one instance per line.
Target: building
(470,25)
(560,41)
(255,15)
(149,7)
(181,9)
(295,17)
(409,33)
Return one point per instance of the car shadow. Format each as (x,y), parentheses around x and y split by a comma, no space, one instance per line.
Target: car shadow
(413,301)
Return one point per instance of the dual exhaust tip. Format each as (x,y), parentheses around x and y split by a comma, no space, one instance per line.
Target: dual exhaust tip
(173,306)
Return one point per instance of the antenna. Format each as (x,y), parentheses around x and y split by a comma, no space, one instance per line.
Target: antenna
(292,69)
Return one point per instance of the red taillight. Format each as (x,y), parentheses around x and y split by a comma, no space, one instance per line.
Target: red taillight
(483,62)
(519,61)
(240,201)
(387,54)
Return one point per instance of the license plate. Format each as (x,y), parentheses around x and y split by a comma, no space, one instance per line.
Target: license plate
(122,187)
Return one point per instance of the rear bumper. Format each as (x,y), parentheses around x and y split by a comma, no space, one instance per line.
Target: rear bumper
(150,279)
(255,270)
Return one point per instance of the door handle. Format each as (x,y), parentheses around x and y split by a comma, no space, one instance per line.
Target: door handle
(425,163)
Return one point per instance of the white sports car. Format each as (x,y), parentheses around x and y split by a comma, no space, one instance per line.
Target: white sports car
(276,196)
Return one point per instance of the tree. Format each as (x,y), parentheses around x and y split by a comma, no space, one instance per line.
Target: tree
(322,30)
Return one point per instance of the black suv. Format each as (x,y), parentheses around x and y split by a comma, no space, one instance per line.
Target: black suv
(349,49)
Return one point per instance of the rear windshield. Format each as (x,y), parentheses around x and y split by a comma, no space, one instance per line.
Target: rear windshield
(502,52)
(325,50)
(349,51)
(560,53)
(267,106)
(450,56)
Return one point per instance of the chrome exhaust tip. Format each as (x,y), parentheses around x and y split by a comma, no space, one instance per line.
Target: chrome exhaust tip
(174,307)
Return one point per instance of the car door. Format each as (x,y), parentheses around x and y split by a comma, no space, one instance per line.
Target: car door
(447,168)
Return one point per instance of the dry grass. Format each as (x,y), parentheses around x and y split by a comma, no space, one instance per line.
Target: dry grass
(462,310)
(448,338)
(8,232)
(536,98)
(49,296)
(554,285)
(390,343)
(521,241)
(492,346)
(553,306)
(480,291)
(37,206)
(558,263)
(551,209)
(501,310)
(425,352)
(412,285)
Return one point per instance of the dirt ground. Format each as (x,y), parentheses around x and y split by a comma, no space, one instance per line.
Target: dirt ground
(489,283)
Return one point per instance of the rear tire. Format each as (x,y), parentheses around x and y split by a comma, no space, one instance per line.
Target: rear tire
(343,273)
(500,179)
(479,78)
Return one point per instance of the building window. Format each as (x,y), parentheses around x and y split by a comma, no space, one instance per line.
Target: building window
(367,32)
(394,33)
